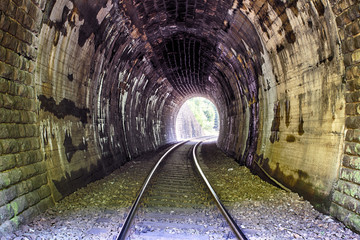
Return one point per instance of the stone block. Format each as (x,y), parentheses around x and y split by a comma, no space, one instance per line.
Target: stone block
(352,29)
(40,167)
(4,22)
(7,227)
(2,54)
(6,213)
(44,191)
(15,175)
(356,136)
(24,91)
(12,28)
(35,143)
(354,12)
(352,72)
(19,3)
(8,101)
(4,85)
(31,52)
(23,104)
(34,12)
(19,205)
(31,130)
(355,57)
(348,188)
(349,218)
(350,175)
(6,70)
(352,122)
(11,9)
(349,135)
(342,19)
(357,42)
(23,188)
(28,79)
(4,116)
(20,14)
(348,59)
(28,171)
(27,144)
(7,162)
(350,109)
(12,58)
(39,181)
(22,49)
(9,146)
(4,4)
(4,131)
(7,195)
(29,213)
(29,157)
(13,130)
(28,37)
(32,198)
(349,45)
(4,180)
(27,117)
(9,41)
(29,23)
(346,201)
(20,128)
(44,204)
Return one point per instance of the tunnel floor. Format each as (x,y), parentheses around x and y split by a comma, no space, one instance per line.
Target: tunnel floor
(262,210)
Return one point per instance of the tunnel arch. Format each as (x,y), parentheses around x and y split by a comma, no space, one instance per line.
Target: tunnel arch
(91,85)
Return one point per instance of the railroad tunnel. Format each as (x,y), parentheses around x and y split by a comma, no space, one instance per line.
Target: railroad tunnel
(85,86)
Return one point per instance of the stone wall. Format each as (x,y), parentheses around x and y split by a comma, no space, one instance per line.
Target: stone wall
(346,198)
(302,104)
(23,179)
(87,85)
(63,90)
(288,110)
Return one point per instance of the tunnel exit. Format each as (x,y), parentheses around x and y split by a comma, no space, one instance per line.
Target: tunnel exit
(197,117)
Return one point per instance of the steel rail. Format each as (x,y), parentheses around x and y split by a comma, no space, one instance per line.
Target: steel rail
(238,232)
(123,232)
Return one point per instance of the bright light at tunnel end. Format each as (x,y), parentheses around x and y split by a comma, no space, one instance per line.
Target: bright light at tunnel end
(197,117)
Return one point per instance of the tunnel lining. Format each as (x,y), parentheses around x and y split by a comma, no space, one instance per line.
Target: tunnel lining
(252,51)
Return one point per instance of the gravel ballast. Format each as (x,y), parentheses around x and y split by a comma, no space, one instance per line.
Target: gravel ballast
(261,209)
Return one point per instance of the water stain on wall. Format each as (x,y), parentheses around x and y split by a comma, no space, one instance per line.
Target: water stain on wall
(70,149)
(65,108)
(275,127)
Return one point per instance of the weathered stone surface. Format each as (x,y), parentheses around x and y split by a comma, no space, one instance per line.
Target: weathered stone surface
(84,87)
(7,162)
(348,188)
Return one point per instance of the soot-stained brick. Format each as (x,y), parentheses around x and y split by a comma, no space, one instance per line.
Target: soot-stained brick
(275,127)
(78,178)
(65,108)
(88,13)
(70,149)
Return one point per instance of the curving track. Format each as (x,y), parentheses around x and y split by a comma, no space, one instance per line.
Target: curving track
(177,202)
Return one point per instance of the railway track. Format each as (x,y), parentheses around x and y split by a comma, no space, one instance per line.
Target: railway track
(177,202)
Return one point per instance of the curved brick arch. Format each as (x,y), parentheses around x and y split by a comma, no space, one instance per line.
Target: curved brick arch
(84,87)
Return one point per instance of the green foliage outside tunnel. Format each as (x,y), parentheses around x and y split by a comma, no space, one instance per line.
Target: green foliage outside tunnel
(205,114)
